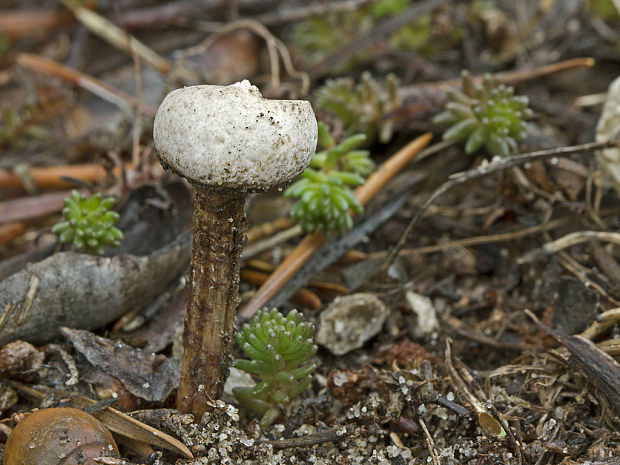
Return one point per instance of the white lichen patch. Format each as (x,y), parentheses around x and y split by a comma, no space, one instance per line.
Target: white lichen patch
(230,136)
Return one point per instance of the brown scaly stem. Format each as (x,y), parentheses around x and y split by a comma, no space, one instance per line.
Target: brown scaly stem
(219,224)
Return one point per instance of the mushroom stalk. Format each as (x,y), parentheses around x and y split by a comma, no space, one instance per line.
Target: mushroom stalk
(213,285)
(228,142)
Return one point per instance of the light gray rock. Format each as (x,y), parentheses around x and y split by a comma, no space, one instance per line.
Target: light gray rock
(349,321)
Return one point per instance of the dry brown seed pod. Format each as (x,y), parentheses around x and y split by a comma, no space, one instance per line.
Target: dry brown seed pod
(59,436)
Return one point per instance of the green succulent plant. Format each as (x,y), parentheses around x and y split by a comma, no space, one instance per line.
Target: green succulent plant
(88,223)
(486,114)
(279,346)
(367,107)
(324,190)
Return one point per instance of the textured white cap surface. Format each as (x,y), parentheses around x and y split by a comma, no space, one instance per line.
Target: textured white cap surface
(231,136)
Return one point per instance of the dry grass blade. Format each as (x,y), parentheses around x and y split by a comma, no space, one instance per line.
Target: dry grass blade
(568,241)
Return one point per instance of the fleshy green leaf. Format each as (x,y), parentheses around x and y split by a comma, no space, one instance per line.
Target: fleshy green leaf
(486,114)
(88,223)
(275,337)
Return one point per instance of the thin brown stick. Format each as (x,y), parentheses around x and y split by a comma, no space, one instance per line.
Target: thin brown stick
(507,77)
(275,47)
(267,229)
(28,208)
(313,242)
(108,93)
(254,249)
(479,240)
(581,273)
(16,24)
(304,297)
(314,9)
(115,36)
(51,177)
(267,268)
(604,322)
(331,435)
(430,444)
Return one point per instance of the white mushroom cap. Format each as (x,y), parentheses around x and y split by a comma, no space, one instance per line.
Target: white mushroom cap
(231,136)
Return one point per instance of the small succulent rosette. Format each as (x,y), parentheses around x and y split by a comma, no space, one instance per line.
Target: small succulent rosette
(367,107)
(88,223)
(279,347)
(324,190)
(487,114)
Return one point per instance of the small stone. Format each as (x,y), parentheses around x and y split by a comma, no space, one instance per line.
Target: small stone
(425,311)
(350,321)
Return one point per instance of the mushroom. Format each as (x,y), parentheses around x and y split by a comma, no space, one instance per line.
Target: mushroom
(228,141)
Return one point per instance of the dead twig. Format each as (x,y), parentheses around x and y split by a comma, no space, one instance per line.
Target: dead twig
(567,241)
(298,13)
(430,444)
(330,435)
(16,24)
(267,229)
(581,273)
(55,177)
(479,240)
(461,329)
(254,249)
(102,90)
(608,265)
(276,48)
(506,77)
(598,368)
(28,208)
(303,297)
(115,36)
(604,322)
(511,438)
